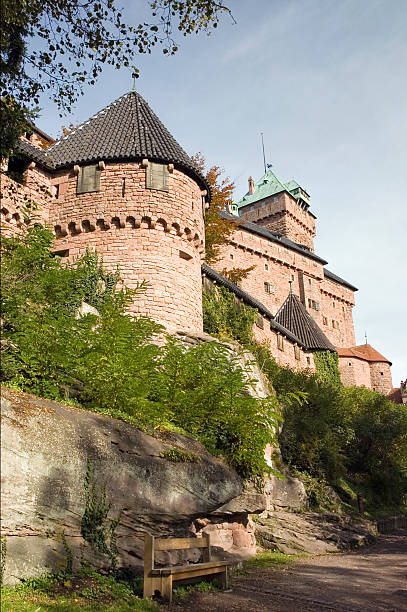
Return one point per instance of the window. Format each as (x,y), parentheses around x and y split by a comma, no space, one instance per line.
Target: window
(308,361)
(335,324)
(324,320)
(280,343)
(88,179)
(309,281)
(313,304)
(266,266)
(297,352)
(260,322)
(231,255)
(269,288)
(157,177)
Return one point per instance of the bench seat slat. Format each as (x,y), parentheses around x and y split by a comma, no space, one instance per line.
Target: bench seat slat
(180,543)
(189,568)
(190,571)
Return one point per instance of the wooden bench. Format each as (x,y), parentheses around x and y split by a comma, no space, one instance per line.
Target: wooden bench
(161,579)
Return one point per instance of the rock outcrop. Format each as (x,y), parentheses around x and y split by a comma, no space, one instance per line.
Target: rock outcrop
(47,447)
(311,532)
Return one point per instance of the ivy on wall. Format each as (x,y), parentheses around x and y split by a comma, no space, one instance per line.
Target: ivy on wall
(225,317)
(326,365)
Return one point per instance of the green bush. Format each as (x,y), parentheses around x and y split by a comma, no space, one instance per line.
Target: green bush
(113,364)
(206,392)
(337,434)
(223,316)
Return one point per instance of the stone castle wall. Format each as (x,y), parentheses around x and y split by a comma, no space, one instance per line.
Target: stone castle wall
(282,214)
(381,379)
(151,235)
(354,372)
(17,199)
(277,265)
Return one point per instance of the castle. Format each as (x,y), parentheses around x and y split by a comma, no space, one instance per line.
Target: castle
(121,184)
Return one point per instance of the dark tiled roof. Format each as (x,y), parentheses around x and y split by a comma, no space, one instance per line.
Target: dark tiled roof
(365,352)
(294,317)
(338,279)
(38,155)
(127,129)
(254,228)
(250,301)
(41,132)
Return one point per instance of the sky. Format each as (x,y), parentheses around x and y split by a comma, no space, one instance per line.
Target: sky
(325,81)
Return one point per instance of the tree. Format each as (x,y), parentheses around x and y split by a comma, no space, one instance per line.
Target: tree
(59,47)
(218,230)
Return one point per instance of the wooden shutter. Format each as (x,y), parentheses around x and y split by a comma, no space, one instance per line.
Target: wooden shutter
(88,179)
(157,177)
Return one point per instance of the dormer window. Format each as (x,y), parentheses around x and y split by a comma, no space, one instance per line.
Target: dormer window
(88,179)
(157,177)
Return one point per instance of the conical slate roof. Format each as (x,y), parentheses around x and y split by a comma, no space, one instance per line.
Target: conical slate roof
(293,316)
(127,129)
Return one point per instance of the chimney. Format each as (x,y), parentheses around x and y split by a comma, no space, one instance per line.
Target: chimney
(251,185)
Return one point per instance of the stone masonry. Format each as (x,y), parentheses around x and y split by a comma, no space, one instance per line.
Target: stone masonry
(157,234)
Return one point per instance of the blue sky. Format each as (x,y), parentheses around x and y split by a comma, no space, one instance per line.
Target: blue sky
(325,80)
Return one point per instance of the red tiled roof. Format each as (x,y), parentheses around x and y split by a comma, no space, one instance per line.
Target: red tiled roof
(365,352)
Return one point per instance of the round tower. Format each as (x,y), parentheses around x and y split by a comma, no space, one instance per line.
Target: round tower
(125,187)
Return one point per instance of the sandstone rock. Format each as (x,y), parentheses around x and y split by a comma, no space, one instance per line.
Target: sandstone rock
(46,450)
(312,533)
(287,492)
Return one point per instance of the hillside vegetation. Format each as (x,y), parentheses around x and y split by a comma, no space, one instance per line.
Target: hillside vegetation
(353,439)
(111,362)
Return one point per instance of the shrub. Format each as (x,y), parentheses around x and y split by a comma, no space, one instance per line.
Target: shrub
(337,432)
(224,317)
(206,391)
(112,362)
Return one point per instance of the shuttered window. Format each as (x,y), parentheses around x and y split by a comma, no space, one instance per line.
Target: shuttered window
(88,179)
(157,177)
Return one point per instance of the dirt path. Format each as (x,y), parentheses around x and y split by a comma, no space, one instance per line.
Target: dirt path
(370,580)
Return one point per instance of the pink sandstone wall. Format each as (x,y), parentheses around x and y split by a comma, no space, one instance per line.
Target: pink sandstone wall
(285,356)
(380,374)
(15,198)
(277,265)
(337,303)
(282,214)
(354,372)
(152,235)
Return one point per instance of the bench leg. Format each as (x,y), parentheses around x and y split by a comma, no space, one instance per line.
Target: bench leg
(223,577)
(166,588)
(151,585)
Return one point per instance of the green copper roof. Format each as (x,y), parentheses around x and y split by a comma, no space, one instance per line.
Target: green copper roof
(269,185)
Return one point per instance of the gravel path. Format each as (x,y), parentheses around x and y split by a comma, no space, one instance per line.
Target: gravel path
(373,579)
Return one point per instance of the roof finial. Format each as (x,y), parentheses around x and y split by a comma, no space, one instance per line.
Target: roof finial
(135,77)
(366,337)
(291,286)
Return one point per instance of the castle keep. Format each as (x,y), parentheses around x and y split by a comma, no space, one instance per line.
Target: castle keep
(121,184)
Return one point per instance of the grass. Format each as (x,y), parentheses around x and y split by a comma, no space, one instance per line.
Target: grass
(86,591)
(182,592)
(270,558)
